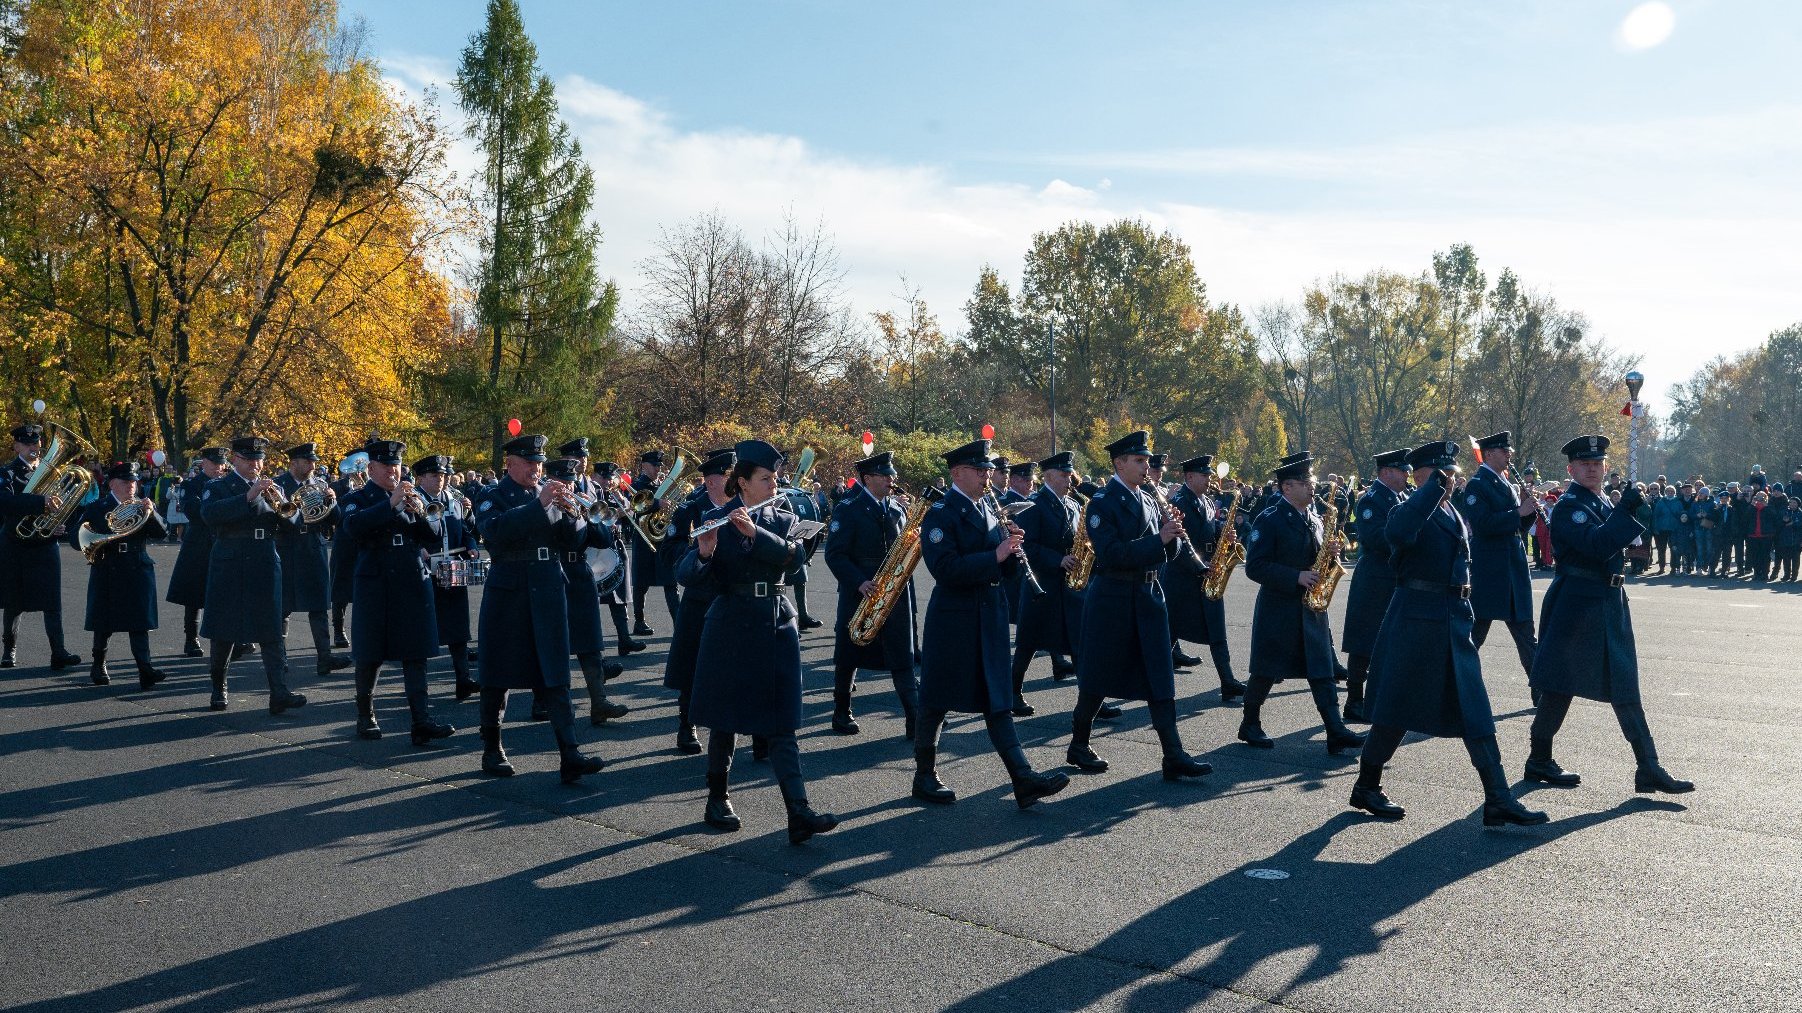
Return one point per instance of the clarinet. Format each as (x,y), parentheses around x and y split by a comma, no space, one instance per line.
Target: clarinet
(1032,579)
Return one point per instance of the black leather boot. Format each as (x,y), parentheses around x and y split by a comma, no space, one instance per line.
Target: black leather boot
(1181,659)
(642,629)
(97,671)
(1231,689)
(1545,770)
(575,765)
(326,664)
(366,724)
(803,822)
(1372,800)
(1108,712)
(686,742)
(1338,737)
(1061,669)
(1030,785)
(9,653)
(149,676)
(842,720)
(720,814)
(494,758)
(61,659)
(191,648)
(221,699)
(1650,776)
(281,701)
(629,646)
(466,687)
(1251,731)
(927,786)
(760,749)
(427,733)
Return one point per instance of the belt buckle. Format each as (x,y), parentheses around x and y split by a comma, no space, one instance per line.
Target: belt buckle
(761,589)
(303,529)
(1617,580)
(1464,592)
(399,539)
(544,553)
(124,546)
(574,557)
(261,534)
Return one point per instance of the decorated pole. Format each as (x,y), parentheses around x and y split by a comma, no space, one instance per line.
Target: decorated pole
(1635,380)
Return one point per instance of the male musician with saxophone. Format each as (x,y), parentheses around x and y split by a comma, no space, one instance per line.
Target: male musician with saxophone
(1288,638)
(244,572)
(606,486)
(31,571)
(1425,675)
(524,624)
(306,566)
(586,640)
(1019,486)
(865,525)
(392,615)
(1194,616)
(450,604)
(187,580)
(1500,515)
(644,554)
(691,610)
(1134,533)
(1050,622)
(122,577)
(970,551)
(1373,581)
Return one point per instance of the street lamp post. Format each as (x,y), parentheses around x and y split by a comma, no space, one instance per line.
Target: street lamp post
(1635,380)
(1051,388)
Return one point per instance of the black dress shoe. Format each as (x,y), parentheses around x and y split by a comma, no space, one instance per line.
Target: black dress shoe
(539,713)
(1025,710)
(844,724)
(58,662)
(1183,660)
(427,734)
(575,766)
(720,815)
(1549,772)
(630,646)
(148,677)
(803,822)
(333,663)
(1340,739)
(1231,690)
(467,688)
(1374,802)
(1031,786)
(1183,765)
(1354,711)
(928,788)
(643,629)
(1252,734)
(686,742)
(1061,671)
(1083,758)
(1496,814)
(99,674)
(286,702)
(810,623)
(606,711)
(191,649)
(611,670)
(1108,712)
(1647,780)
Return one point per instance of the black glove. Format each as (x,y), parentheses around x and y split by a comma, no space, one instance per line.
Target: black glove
(1632,498)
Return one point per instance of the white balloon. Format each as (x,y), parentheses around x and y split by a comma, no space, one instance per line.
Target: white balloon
(38,406)
(157,457)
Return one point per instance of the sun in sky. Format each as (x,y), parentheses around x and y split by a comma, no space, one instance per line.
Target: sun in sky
(1647,25)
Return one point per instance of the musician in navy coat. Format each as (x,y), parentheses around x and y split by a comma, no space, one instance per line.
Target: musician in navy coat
(747,678)
(244,573)
(450,605)
(393,616)
(1425,675)
(1500,517)
(1051,622)
(644,554)
(187,579)
(1373,579)
(306,567)
(1018,488)
(122,581)
(1586,643)
(523,630)
(1288,638)
(1125,626)
(865,524)
(352,474)
(691,609)
(970,552)
(802,505)
(605,485)
(1193,615)
(31,570)
(586,639)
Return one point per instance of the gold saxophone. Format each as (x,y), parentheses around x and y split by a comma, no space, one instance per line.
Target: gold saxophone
(1326,563)
(891,577)
(1081,548)
(1228,554)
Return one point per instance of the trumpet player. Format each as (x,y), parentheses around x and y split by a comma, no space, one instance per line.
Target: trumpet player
(352,475)
(691,611)
(1288,638)
(450,604)
(643,575)
(244,573)
(122,579)
(1373,582)
(306,567)
(864,525)
(1133,536)
(31,570)
(187,581)
(586,640)
(1194,616)
(605,486)
(1051,622)
(1500,514)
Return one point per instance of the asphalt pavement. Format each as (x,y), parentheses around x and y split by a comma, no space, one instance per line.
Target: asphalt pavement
(156,855)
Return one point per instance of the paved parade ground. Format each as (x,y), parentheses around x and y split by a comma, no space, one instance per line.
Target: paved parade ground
(160,856)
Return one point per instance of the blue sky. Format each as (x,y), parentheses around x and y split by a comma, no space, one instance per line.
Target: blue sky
(1640,164)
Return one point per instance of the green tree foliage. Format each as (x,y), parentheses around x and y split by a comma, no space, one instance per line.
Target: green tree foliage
(1741,410)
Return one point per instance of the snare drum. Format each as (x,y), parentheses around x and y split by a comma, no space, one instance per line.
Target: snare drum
(478,572)
(449,571)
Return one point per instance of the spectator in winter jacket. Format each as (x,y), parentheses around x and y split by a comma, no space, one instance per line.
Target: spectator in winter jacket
(1666,514)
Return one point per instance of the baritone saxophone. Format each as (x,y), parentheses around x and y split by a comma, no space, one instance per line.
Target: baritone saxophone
(891,577)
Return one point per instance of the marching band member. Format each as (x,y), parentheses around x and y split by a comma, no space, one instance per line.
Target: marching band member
(31,570)
(1425,675)
(122,581)
(1373,579)
(644,554)
(450,605)
(392,616)
(1194,616)
(970,552)
(306,567)
(606,485)
(524,624)
(586,641)
(344,554)
(1586,643)
(1050,622)
(1124,609)
(691,610)
(1287,637)
(804,508)
(1500,517)
(865,523)
(187,581)
(244,573)
(1013,484)
(747,678)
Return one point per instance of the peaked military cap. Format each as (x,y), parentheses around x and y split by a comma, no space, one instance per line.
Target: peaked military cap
(1437,454)
(253,447)
(127,470)
(1202,462)
(606,469)
(653,457)
(879,464)
(1499,441)
(29,432)
(974,454)
(1305,455)
(433,464)
(1088,489)
(577,447)
(1295,466)
(1024,469)
(382,451)
(1063,460)
(213,454)
(529,448)
(1157,460)
(1138,442)
(563,469)
(1392,458)
(303,452)
(759,454)
(1587,448)
(719,462)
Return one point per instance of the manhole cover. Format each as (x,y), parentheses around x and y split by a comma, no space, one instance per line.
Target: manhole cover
(1267,874)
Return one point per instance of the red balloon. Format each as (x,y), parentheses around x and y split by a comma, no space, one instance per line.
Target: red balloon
(513,427)
(869,437)
(850,483)
(988,431)
(625,481)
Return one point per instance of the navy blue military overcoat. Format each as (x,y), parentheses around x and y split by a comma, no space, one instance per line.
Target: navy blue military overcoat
(393,615)
(747,676)
(122,583)
(524,624)
(1373,579)
(451,604)
(1288,639)
(31,572)
(1500,587)
(1586,644)
(244,571)
(1053,621)
(967,663)
(1192,616)
(1125,628)
(306,563)
(691,607)
(857,539)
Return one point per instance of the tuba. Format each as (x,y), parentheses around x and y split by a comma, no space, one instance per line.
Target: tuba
(1228,552)
(1081,548)
(55,476)
(1326,562)
(123,521)
(891,577)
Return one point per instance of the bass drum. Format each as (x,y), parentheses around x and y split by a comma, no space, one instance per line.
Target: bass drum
(609,569)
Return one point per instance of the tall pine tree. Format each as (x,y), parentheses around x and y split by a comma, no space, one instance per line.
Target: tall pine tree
(543,317)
